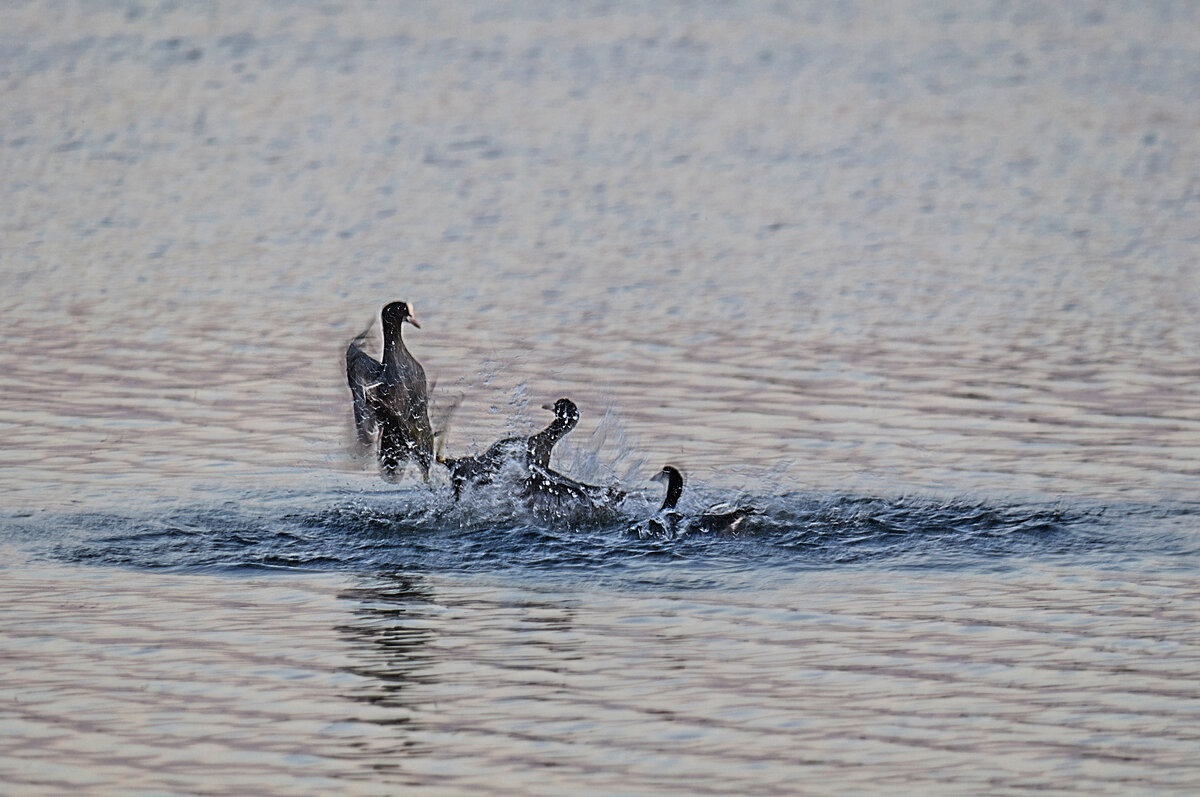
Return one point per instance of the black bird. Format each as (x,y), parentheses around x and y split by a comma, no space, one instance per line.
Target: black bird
(529,452)
(546,488)
(669,521)
(391,402)
(566,416)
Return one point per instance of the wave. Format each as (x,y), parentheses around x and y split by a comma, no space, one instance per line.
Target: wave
(416,529)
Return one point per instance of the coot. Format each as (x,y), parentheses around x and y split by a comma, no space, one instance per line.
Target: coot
(669,521)
(391,403)
(528,452)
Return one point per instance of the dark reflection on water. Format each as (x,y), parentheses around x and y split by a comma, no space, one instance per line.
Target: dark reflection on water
(916,278)
(487,683)
(967,681)
(389,631)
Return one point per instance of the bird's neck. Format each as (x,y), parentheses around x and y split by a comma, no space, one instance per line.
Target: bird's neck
(394,351)
(542,442)
(674,490)
(557,428)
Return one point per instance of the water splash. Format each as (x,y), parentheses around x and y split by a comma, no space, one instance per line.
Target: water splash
(608,456)
(417,529)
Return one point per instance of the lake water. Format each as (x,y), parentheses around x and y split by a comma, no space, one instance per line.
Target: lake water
(916,279)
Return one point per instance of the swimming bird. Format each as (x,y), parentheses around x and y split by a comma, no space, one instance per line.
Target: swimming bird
(669,521)
(566,416)
(528,452)
(391,402)
(546,488)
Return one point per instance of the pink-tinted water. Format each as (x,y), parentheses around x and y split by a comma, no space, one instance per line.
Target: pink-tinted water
(938,250)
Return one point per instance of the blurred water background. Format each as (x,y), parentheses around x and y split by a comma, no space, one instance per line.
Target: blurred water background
(915,278)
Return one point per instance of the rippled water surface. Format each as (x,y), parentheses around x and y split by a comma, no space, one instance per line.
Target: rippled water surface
(916,280)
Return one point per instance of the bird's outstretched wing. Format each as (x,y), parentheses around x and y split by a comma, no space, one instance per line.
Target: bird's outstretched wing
(363,373)
(441,412)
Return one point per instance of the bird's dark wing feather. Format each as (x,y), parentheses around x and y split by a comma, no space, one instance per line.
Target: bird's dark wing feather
(363,373)
(723,519)
(546,483)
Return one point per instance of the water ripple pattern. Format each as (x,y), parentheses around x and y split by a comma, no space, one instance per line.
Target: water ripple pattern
(418,530)
(438,684)
(917,279)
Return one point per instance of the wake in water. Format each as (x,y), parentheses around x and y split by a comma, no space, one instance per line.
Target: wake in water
(416,529)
